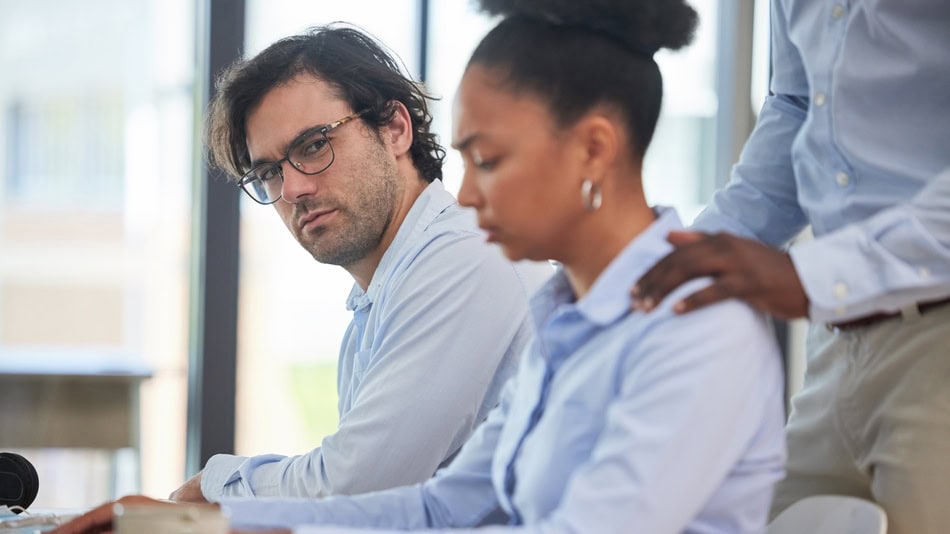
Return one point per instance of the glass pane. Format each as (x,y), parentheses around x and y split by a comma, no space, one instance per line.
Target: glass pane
(681,158)
(761,51)
(96,120)
(394,22)
(456,29)
(292,310)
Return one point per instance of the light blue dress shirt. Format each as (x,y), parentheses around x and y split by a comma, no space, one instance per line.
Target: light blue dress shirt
(856,142)
(432,341)
(616,422)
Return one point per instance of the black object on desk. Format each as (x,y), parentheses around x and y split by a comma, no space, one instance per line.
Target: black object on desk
(19,482)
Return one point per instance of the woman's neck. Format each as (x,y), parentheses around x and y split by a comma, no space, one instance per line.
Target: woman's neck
(603,236)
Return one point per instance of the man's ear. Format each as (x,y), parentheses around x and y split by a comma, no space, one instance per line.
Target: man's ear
(397,135)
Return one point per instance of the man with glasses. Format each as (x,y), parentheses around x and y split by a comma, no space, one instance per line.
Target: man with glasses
(325,128)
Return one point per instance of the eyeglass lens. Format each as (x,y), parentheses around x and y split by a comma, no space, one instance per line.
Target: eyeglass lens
(309,155)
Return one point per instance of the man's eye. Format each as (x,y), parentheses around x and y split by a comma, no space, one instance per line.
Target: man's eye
(268,174)
(315,146)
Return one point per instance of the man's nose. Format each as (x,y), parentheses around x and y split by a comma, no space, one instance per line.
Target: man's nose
(297,185)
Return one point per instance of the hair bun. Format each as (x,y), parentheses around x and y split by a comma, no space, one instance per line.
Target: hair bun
(642,25)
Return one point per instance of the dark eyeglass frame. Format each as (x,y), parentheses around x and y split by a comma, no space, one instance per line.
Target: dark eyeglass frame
(252,174)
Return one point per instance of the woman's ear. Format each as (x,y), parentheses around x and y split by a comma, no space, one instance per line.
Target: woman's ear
(599,140)
(397,135)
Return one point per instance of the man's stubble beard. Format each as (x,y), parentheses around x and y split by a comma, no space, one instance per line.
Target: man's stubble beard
(359,226)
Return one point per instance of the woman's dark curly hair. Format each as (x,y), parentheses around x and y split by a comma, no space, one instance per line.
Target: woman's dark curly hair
(579,54)
(356,65)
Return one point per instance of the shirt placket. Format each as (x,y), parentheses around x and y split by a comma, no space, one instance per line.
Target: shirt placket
(837,169)
(560,337)
(536,413)
(833,167)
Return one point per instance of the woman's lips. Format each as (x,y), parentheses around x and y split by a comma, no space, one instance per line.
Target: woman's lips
(491,233)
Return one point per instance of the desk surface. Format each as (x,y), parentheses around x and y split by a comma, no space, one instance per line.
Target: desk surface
(70,362)
(35,519)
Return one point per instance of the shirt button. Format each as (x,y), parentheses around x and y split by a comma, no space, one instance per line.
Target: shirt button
(924,273)
(820,99)
(843,179)
(841,291)
(838,11)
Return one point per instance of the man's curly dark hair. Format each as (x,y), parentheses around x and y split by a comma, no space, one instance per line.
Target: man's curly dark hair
(359,68)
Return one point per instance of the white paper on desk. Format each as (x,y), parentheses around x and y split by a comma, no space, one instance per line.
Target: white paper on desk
(27,522)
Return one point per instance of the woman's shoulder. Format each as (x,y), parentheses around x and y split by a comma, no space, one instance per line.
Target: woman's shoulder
(727,329)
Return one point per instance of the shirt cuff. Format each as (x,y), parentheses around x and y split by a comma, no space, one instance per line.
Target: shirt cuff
(247,513)
(221,471)
(830,298)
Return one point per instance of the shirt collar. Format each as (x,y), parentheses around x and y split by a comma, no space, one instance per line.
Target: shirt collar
(433,200)
(609,298)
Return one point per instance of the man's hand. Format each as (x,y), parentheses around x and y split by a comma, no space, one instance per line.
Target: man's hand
(190,491)
(100,519)
(740,268)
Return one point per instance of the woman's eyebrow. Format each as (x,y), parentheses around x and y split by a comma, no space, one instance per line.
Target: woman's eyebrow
(465,142)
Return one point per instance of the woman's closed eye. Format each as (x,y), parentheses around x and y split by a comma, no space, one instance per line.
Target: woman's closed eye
(483,163)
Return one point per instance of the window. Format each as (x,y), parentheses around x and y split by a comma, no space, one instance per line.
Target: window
(96,121)
(679,168)
(53,161)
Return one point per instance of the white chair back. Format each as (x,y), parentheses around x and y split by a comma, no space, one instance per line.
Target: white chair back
(830,514)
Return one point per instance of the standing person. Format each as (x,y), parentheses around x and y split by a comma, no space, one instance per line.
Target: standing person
(326,129)
(616,421)
(854,141)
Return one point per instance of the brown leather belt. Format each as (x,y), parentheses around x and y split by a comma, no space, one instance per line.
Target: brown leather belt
(869,320)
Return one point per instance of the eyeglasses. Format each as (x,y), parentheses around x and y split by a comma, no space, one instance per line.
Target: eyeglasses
(310,153)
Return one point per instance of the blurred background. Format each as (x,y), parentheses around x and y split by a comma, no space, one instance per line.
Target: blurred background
(149,314)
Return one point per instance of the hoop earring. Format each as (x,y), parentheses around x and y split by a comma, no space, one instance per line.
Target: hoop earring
(590,195)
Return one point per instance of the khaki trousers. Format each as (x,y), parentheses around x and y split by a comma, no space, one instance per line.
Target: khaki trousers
(873,421)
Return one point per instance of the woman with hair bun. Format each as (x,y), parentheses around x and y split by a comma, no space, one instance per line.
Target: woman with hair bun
(617,421)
